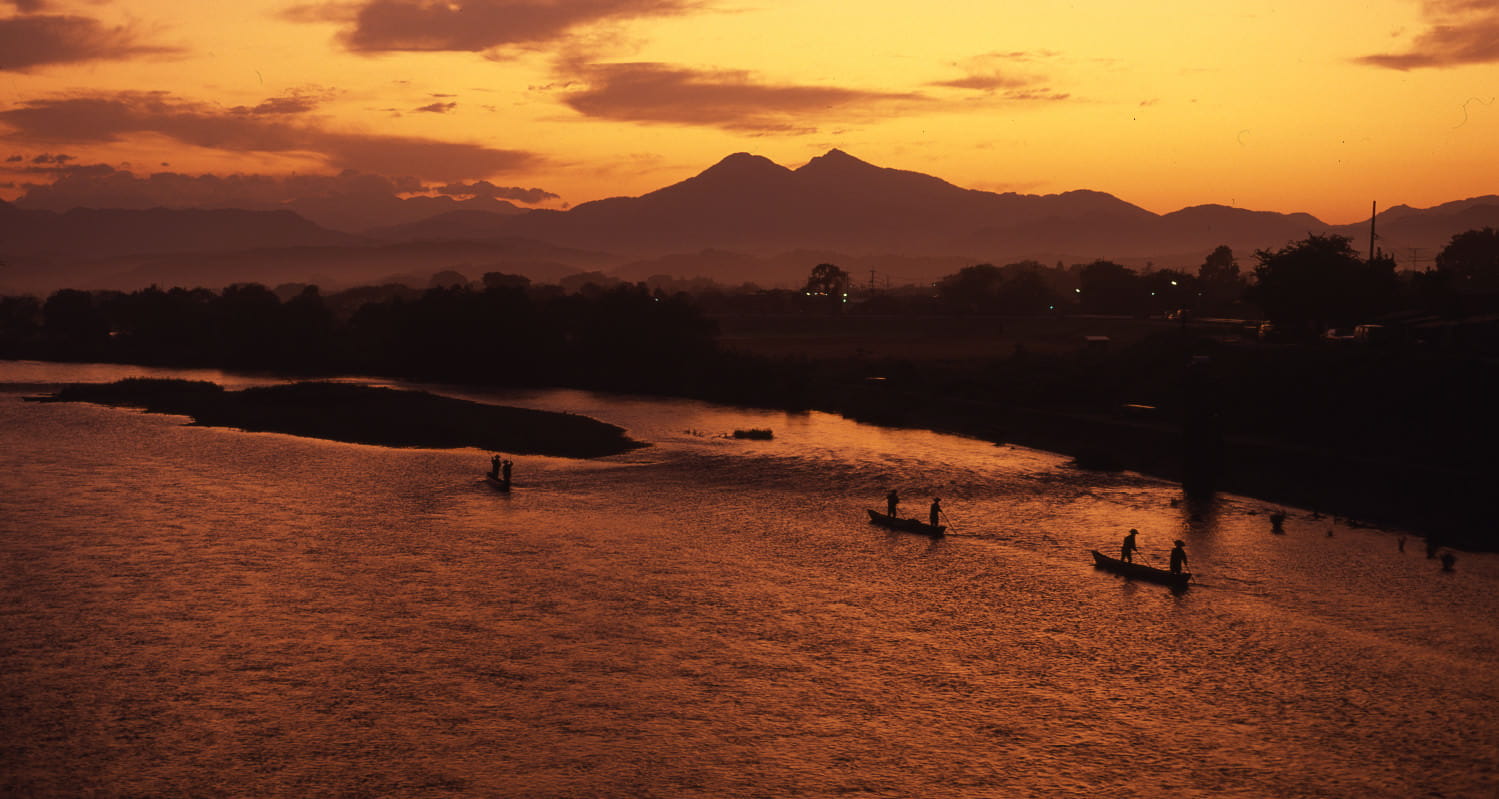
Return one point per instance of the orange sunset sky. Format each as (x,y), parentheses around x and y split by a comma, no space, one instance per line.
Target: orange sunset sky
(1320,106)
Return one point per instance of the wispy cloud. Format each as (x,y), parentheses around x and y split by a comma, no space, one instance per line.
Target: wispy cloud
(27,6)
(486,190)
(1458,33)
(104,186)
(473,25)
(728,99)
(276,126)
(30,41)
(437,108)
(1006,76)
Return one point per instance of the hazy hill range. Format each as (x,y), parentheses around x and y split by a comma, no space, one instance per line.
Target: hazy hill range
(93,232)
(744,219)
(211,248)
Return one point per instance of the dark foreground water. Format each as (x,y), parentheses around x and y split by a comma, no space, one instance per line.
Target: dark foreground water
(203,612)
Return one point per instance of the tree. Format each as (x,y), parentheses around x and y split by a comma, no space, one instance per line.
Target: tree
(1218,280)
(827,279)
(1019,288)
(1107,287)
(75,325)
(971,289)
(1169,290)
(1470,261)
(828,285)
(1321,282)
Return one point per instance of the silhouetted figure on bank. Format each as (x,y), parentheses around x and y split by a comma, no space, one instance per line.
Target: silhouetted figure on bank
(1277,522)
(892,499)
(1178,557)
(1447,560)
(1128,549)
(936,511)
(1401,543)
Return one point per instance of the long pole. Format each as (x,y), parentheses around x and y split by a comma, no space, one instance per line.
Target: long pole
(1372,205)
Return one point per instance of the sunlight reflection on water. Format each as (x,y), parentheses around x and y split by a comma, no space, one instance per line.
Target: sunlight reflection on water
(205,611)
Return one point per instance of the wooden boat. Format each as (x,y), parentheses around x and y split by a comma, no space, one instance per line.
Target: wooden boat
(1140,571)
(496,483)
(908,525)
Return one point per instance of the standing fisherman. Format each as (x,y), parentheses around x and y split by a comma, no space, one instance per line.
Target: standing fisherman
(936,511)
(1178,557)
(1128,549)
(891,500)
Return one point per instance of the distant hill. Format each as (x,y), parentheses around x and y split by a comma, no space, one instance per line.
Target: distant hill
(92,232)
(359,213)
(1418,234)
(838,203)
(449,226)
(744,219)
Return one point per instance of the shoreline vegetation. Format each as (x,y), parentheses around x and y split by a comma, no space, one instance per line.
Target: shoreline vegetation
(359,414)
(1322,380)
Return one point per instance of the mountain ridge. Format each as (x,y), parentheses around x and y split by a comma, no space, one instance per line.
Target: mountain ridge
(749,206)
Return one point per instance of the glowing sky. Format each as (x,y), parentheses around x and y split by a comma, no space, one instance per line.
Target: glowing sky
(1319,106)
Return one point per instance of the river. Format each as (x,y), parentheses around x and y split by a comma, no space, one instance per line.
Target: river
(194,611)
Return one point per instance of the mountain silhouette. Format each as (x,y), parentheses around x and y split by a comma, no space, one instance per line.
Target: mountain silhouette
(94,232)
(743,219)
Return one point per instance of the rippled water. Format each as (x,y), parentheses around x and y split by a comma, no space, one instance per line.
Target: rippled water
(206,612)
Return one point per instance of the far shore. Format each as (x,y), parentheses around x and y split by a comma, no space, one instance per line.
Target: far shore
(363,415)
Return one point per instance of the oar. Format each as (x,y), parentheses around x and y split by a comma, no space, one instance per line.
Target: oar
(945,519)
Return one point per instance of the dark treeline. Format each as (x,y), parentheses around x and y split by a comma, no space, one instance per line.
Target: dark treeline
(1329,418)
(500,332)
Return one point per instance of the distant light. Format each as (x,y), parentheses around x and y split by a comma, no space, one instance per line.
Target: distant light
(1173,282)
(1079,291)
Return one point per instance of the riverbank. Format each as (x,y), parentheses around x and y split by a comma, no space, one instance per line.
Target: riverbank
(363,415)
(1447,505)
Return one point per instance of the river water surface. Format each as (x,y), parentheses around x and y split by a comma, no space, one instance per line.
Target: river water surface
(193,611)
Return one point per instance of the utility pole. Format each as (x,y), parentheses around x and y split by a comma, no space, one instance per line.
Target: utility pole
(1372,214)
(871,280)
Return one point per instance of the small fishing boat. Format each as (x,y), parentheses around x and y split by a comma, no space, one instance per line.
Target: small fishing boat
(908,525)
(497,483)
(1140,571)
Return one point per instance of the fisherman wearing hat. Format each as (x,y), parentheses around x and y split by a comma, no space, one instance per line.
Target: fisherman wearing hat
(1178,557)
(1128,549)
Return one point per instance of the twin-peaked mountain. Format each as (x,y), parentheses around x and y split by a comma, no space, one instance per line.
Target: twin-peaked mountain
(750,205)
(745,219)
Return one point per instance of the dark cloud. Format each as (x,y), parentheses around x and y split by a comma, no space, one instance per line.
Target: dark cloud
(28,6)
(732,100)
(15,159)
(107,118)
(31,41)
(296,103)
(1459,32)
(473,25)
(103,186)
(995,74)
(486,190)
(49,158)
(438,108)
(987,83)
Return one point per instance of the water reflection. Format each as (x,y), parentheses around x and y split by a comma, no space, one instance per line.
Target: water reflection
(260,614)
